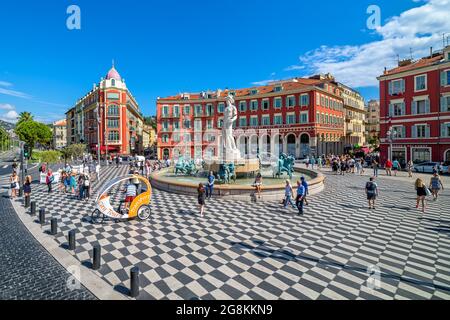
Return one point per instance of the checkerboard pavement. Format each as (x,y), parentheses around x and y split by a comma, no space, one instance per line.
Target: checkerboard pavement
(244,250)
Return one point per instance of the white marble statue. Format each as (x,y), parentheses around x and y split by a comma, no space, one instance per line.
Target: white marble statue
(230,115)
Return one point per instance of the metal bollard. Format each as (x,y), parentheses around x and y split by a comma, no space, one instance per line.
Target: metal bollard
(134,282)
(27,202)
(72,236)
(42,216)
(97,256)
(54,227)
(33,208)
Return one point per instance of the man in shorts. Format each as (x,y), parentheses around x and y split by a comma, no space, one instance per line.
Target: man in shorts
(131,192)
(371,192)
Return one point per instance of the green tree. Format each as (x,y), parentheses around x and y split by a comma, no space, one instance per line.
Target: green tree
(24,117)
(76,150)
(32,132)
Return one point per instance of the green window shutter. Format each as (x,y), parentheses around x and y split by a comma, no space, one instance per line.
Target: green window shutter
(427,131)
(443,104)
(403,132)
(403,85)
(403,109)
(427,106)
(414,131)
(390,88)
(391,110)
(443,130)
(444,78)
(414,107)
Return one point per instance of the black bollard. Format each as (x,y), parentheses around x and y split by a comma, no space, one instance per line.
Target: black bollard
(33,208)
(134,282)
(97,256)
(72,244)
(42,216)
(20,192)
(54,227)
(27,202)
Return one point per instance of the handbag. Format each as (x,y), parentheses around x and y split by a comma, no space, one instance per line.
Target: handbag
(428,192)
(13,185)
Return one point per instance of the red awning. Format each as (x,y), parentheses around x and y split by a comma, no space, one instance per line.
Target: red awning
(103,148)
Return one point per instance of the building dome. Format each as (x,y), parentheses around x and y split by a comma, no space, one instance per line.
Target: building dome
(113,74)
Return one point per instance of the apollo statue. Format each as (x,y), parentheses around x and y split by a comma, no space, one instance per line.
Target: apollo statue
(230,115)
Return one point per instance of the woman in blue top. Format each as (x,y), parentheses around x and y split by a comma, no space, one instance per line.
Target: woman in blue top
(210,185)
(288,195)
(395,166)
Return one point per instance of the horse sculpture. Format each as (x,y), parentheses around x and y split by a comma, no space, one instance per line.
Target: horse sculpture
(285,165)
(185,167)
(227,172)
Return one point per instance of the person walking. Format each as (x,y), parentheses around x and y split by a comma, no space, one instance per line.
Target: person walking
(371,192)
(210,185)
(375,166)
(49,180)
(288,193)
(87,187)
(396,167)
(14,184)
(201,195)
(306,193)
(81,186)
(388,167)
(436,185)
(27,187)
(362,166)
(421,190)
(117,161)
(258,184)
(301,196)
(72,184)
(410,167)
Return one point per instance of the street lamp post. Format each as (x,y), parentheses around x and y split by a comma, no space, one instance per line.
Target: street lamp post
(98,133)
(391,135)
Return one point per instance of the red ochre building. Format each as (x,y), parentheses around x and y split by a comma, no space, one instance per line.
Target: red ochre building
(300,117)
(415,102)
(111,110)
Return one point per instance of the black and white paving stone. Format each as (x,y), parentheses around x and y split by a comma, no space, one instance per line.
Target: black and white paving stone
(243,250)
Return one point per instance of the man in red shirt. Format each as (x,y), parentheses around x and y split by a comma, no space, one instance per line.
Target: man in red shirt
(388,167)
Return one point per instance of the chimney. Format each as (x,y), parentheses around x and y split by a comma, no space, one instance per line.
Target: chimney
(431,52)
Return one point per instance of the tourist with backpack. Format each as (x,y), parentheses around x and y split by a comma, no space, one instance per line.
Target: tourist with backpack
(371,192)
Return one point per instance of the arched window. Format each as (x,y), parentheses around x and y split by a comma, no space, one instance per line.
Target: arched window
(113,82)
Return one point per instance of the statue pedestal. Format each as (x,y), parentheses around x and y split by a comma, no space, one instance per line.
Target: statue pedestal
(242,166)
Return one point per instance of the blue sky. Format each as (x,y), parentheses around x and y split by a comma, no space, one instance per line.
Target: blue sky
(166,47)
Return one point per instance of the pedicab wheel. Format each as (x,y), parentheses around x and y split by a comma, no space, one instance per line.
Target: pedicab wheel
(96,216)
(144,213)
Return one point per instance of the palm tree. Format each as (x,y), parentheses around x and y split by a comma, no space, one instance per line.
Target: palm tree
(24,117)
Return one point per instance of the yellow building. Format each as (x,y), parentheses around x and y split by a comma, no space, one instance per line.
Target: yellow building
(60,134)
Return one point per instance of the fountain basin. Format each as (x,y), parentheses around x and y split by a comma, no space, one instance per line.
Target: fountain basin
(242,190)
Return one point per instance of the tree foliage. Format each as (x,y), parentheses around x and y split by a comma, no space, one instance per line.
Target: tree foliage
(75,150)
(32,132)
(24,117)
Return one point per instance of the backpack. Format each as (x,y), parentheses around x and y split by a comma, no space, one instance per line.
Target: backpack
(371,187)
(87,182)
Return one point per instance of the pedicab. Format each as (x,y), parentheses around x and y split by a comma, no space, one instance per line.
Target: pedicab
(139,207)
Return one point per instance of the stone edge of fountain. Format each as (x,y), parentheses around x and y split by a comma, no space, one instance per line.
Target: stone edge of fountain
(236,192)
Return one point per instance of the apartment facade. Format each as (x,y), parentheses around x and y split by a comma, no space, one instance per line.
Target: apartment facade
(415,104)
(108,117)
(355,117)
(300,117)
(373,120)
(60,134)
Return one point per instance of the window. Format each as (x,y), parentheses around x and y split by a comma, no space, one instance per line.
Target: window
(254,121)
(113,82)
(242,121)
(290,101)
(317,117)
(165,138)
(290,118)
(113,110)
(176,137)
(445,104)
(397,109)
(420,155)
(266,120)
(220,123)
(445,78)
(176,111)
(209,124)
(209,110)
(113,136)
(322,101)
(278,88)
(304,100)
(243,106)
(265,104)
(198,125)
(165,111)
(396,87)
(187,110)
(327,102)
(254,105)
(277,119)
(176,125)
(277,103)
(113,123)
(198,111)
(421,131)
(445,130)
(304,117)
(221,107)
(187,137)
(399,132)
(254,92)
(187,124)
(421,106)
(420,83)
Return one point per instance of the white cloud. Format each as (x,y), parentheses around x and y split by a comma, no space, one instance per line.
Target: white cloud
(6,107)
(9,116)
(14,93)
(358,66)
(5,84)
(263,82)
